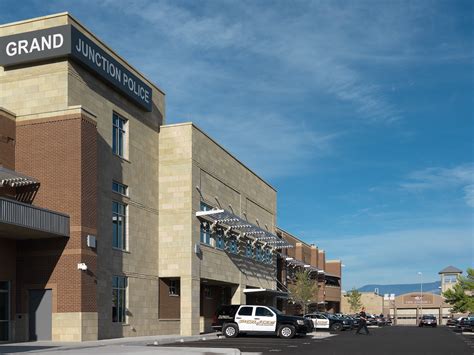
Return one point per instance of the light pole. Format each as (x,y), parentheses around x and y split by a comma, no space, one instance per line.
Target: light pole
(421,292)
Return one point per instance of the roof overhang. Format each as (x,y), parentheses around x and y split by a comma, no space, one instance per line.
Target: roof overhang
(298,263)
(240,228)
(11,178)
(266,291)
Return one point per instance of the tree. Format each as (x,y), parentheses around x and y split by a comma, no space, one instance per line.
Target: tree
(354,299)
(304,291)
(461,296)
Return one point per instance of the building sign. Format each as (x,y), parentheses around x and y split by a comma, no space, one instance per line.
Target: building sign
(67,40)
(415,299)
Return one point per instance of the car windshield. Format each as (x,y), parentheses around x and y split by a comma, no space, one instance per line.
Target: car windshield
(428,317)
(276,311)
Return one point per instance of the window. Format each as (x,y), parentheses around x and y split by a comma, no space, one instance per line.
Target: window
(263,312)
(119,293)
(173,288)
(205,233)
(219,239)
(205,230)
(268,256)
(205,207)
(246,311)
(232,246)
(249,250)
(450,278)
(258,253)
(119,218)
(207,292)
(118,135)
(119,188)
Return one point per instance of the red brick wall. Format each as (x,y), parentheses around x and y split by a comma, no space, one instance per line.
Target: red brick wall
(61,152)
(7,142)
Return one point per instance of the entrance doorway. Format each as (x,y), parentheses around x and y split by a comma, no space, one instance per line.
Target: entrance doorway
(4,311)
(40,314)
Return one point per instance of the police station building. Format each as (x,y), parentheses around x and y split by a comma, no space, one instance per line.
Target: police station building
(113,223)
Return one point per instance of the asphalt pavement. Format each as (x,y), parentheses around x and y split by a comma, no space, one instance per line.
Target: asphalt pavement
(381,341)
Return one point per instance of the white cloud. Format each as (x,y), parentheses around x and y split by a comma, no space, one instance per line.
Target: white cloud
(461,176)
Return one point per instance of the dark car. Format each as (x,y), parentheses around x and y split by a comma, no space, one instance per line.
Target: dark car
(453,322)
(466,324)
(428,321)
(371,320)
(237,319)
(338,323)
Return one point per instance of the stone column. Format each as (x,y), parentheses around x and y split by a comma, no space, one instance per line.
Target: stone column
(238,296)
(190,305)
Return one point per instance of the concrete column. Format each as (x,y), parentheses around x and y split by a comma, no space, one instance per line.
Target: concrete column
(190,305)
(314,256)
(239,296)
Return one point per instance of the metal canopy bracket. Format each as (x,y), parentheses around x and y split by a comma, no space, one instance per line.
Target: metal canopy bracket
(242,228)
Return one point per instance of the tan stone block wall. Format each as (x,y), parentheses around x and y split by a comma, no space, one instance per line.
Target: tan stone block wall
(372,302)
(74,326)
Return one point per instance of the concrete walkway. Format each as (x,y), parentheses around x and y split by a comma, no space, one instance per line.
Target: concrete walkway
(131,345)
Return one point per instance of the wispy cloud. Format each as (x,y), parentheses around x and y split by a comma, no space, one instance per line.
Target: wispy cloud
(436,178)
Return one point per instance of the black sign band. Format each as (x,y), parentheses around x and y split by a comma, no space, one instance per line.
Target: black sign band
(69,41)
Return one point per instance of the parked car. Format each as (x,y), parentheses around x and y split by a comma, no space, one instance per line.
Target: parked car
(237,319)
(371,320)
(381,321)
(428,320)
(453,322)
(320,321)
(466,324)
(337,323)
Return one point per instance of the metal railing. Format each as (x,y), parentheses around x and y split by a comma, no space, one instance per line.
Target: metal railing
(32,217)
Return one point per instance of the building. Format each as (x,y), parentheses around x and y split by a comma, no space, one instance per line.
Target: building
(449,277)
(327,273)
(113,223)
(373,303)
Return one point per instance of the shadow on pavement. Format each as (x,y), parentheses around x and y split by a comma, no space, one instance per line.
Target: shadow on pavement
(11,349)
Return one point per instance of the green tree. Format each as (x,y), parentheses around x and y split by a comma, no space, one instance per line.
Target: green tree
(354,299)
(304,291)
(461,296)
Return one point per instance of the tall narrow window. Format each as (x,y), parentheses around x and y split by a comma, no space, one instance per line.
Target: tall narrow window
(118,135)
(249,250)
(119,301)
(232,246)
(119,218)
(258,253)
(219,239)
(174,288)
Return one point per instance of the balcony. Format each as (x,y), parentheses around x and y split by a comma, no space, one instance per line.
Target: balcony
(23,221)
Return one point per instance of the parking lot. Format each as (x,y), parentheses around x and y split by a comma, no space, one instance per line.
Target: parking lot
(386,340)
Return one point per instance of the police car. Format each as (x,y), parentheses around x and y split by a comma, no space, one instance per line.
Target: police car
(238,319)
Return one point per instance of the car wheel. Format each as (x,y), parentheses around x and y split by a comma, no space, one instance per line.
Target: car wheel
(336,327)
(286,331)
(230,330)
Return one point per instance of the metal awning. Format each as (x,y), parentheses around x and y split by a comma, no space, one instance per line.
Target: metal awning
(10,178)
(234,225)
(298,263)
(266,291)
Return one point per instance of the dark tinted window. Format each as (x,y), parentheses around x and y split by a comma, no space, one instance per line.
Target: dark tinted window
(263,312)
(245,311)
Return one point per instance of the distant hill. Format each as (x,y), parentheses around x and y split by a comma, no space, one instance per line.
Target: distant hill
(431,287)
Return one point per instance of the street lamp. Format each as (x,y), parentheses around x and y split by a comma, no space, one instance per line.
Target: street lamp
(421,292)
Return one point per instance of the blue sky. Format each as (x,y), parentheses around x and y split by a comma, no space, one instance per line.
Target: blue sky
(360,113)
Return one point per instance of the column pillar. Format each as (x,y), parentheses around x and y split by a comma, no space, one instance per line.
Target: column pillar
(190,305)
(238,296)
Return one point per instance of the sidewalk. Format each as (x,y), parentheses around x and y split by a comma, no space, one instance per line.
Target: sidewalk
(130,345)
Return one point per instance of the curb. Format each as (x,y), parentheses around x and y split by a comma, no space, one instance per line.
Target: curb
(181,339)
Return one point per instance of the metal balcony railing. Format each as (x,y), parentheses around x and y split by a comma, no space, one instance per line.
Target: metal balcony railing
(16,217)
